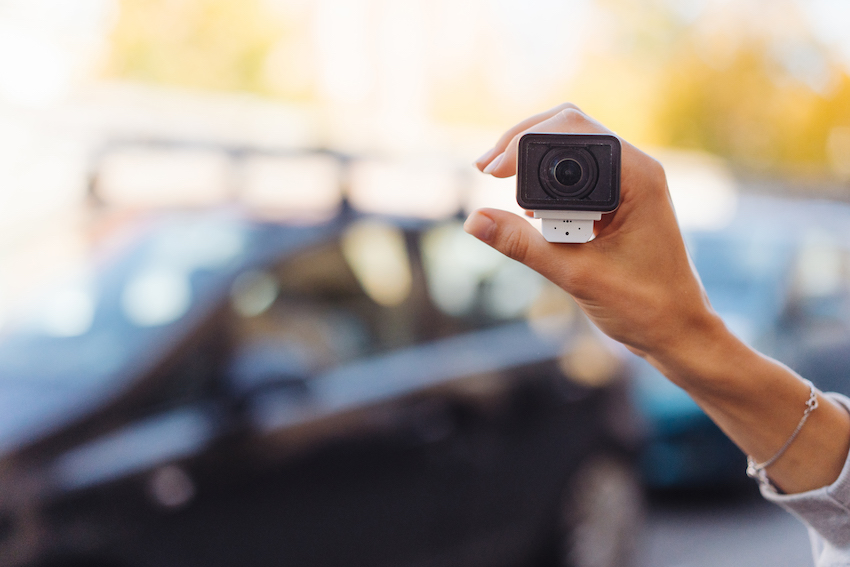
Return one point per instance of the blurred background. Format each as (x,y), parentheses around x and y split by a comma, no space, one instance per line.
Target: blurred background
(292,112)
(755,92)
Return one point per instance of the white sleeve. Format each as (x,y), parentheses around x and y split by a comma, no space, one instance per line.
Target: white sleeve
(826,512)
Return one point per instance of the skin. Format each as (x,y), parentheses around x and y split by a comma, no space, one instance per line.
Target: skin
(635,281)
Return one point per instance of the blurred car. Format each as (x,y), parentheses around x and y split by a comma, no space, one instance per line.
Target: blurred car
(365,391)
(779,275)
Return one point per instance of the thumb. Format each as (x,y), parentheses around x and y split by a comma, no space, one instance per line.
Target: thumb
(511,235)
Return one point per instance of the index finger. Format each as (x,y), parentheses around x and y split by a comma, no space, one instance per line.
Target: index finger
(569,120)
(503,142)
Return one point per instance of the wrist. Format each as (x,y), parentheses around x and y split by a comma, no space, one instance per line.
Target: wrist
(701,355)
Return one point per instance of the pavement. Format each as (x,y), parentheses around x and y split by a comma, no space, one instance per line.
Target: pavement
(727,531)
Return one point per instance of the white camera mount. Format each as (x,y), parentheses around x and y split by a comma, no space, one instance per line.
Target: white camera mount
(568,226)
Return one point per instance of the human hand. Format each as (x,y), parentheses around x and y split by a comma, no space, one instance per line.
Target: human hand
(634,279)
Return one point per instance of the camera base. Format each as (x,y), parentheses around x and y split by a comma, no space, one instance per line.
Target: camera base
(568,226)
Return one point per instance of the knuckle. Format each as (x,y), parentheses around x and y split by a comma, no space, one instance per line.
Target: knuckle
(514,245)
(568,106)
(655,168)
(655,174)
(572,116)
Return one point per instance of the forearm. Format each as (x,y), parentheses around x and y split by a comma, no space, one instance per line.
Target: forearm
(758,403)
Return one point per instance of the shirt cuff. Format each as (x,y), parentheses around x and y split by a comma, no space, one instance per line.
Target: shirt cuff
(825,510)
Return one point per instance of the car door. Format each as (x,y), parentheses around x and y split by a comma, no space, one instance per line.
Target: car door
(336,461)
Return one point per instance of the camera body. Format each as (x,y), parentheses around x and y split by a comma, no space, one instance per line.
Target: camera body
(568,180)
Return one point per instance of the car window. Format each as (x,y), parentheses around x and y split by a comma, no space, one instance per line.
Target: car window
(466,278)
(377,254)
(374,289)
(343,299)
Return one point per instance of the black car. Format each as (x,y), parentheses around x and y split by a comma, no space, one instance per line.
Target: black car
(366,391)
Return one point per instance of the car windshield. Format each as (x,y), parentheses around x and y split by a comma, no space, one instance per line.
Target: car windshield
(101,330)
(91,323)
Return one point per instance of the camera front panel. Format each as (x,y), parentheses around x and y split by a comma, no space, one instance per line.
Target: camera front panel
(579,172)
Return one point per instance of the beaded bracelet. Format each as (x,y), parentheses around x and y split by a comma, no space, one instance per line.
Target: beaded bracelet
(757,471)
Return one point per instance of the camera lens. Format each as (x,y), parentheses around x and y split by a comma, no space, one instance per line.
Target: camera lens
(568,172)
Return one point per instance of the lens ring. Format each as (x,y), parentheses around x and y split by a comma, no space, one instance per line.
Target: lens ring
(568,187)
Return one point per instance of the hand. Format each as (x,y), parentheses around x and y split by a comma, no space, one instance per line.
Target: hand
(634,279)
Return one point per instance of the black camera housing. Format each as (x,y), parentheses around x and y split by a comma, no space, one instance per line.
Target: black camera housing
(569,172)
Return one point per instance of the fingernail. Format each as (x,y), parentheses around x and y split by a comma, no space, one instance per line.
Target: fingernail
(485,156)
(480,226)
(494,164)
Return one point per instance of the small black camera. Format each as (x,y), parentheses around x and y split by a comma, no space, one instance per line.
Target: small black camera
(575,172)
(568,180)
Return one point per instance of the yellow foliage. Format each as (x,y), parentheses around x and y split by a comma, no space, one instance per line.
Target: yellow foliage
(213,44)
(716,83)
(750,110)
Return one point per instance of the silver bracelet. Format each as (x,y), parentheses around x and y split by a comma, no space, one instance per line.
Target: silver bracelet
(757,471)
